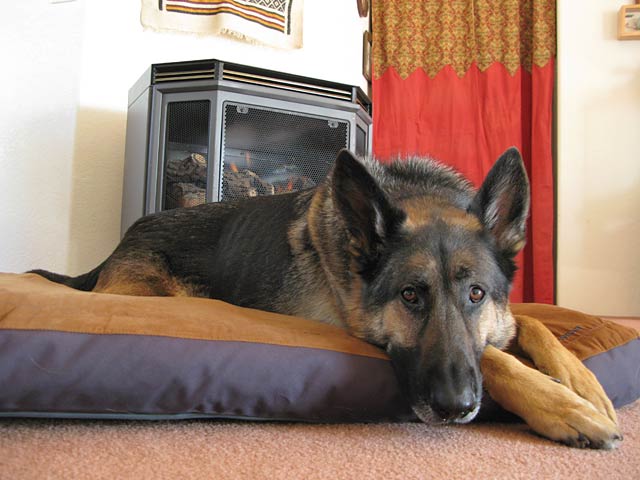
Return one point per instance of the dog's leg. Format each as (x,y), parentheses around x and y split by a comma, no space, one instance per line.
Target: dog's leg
(549,408)
(144,276)
(552,358)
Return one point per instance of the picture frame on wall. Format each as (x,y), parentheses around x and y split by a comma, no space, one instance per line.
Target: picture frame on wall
(366,55)
(629,22)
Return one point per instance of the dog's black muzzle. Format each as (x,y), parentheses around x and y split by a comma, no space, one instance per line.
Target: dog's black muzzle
(453,393)
(443,380)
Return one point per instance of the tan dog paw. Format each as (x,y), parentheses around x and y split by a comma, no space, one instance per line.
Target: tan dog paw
(549,408)
(552,358)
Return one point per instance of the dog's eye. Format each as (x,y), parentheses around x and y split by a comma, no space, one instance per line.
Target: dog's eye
(476,294)
(409,295)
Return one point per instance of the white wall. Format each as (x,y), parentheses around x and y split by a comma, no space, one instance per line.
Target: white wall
(598,161)
(39,53)
(62,127)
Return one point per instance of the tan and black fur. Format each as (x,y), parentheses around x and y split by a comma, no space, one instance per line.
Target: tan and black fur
(408,257)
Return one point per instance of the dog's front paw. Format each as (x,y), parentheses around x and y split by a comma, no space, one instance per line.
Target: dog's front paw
(558,413)
(553,359)
(550,408)
(572,373)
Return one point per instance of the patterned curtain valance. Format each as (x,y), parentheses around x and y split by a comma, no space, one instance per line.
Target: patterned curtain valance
(430,34)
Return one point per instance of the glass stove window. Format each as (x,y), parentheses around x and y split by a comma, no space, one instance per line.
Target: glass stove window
(186,153)
(267,151)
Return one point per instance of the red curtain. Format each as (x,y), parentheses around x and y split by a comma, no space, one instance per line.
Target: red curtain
(461,81)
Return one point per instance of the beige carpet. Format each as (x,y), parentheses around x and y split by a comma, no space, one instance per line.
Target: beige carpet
(40,449)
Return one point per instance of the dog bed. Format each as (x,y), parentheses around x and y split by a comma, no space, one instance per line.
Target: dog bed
(67,353)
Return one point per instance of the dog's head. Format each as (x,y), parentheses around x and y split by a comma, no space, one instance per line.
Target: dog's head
(434,271)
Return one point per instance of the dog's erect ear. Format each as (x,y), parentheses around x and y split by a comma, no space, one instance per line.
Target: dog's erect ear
(502,203)
(368,215)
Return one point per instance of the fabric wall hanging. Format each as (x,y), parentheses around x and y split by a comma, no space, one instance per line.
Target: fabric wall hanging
(462,80)
(277,23)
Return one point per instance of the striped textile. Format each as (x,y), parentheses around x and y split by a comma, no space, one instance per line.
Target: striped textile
(272,22)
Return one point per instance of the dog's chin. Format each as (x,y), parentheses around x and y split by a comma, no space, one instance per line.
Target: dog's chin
(469,416)
(426,414)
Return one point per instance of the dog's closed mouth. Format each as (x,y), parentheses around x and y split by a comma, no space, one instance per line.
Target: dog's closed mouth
(427,415)
(469,416)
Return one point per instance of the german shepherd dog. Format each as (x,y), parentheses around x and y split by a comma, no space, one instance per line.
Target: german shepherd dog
(407,257)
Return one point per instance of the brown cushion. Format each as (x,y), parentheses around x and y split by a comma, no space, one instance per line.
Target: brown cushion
(66,353)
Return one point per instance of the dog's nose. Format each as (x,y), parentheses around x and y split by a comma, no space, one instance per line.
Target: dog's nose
(450,407)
